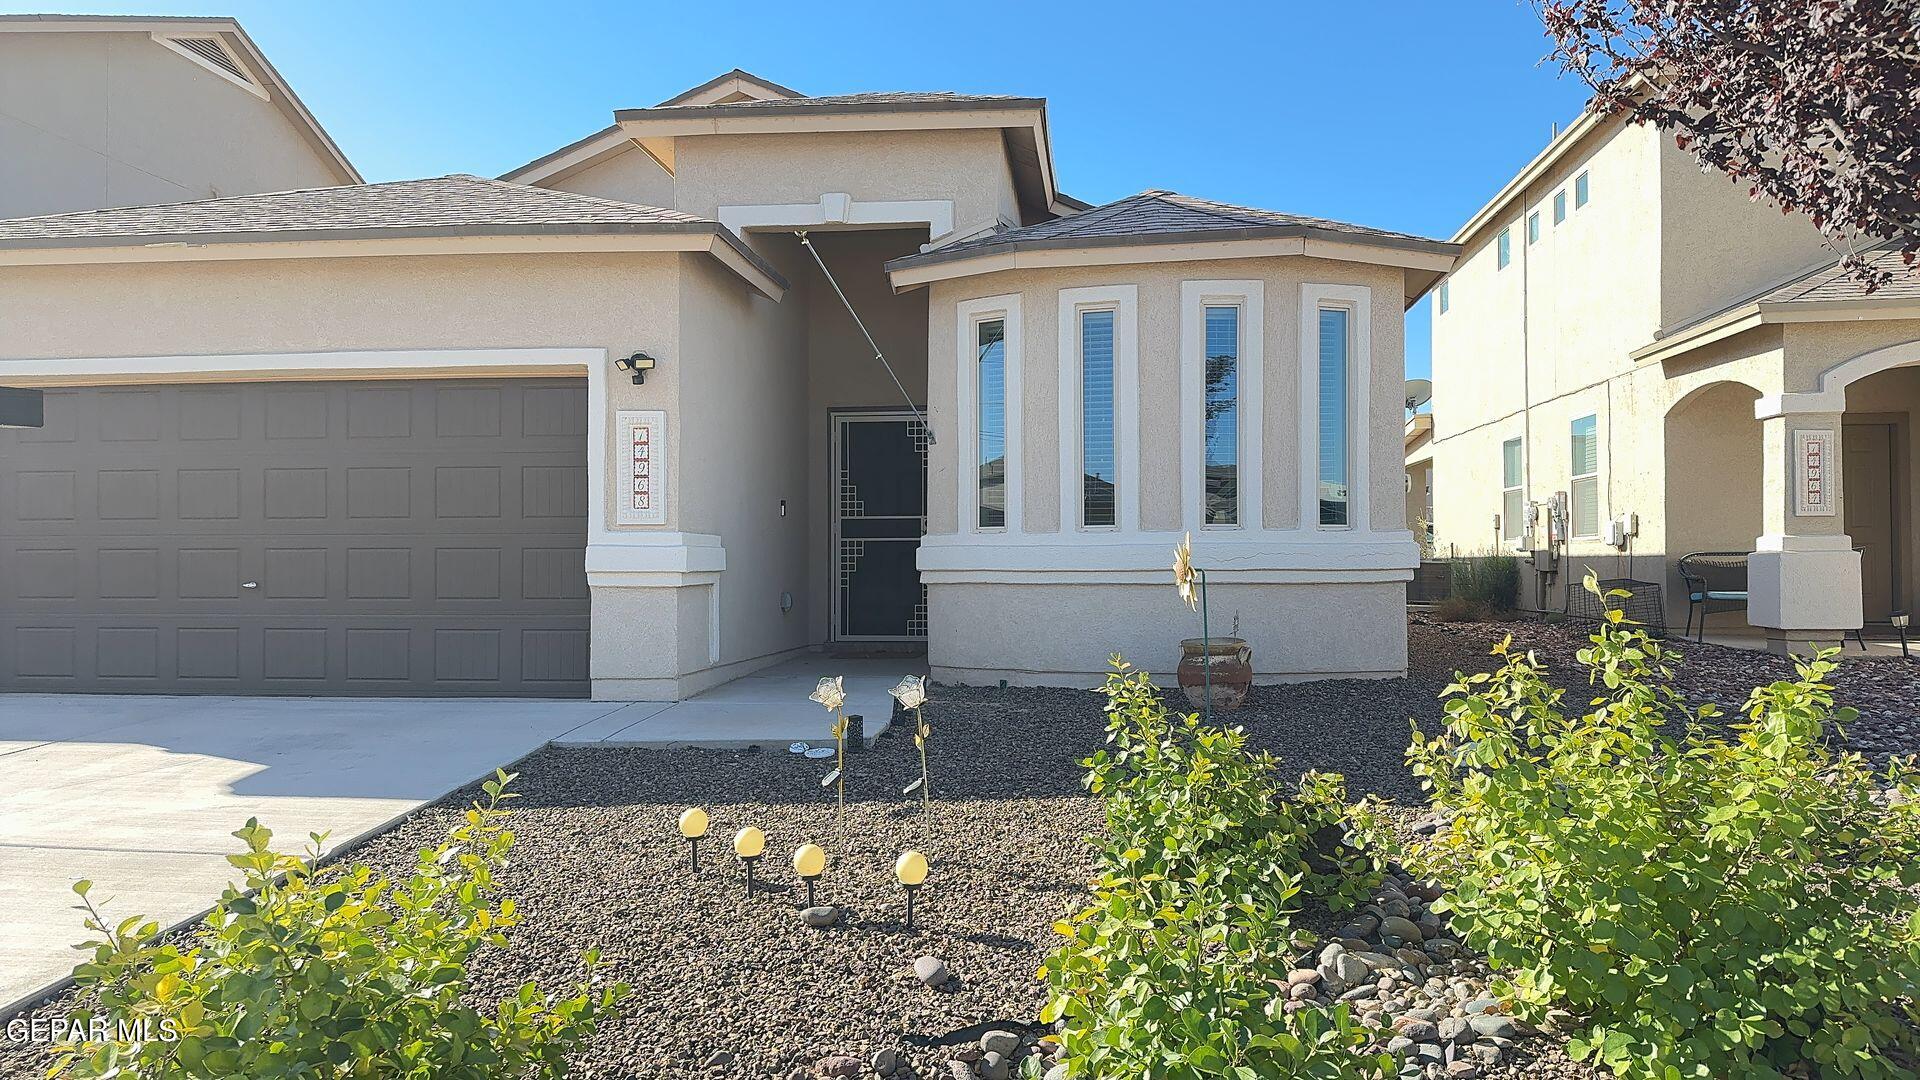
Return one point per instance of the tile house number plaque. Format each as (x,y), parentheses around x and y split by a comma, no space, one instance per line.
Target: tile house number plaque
(1816,472)
(641,449)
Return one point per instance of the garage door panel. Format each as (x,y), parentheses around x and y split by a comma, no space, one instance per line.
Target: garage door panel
(408,537)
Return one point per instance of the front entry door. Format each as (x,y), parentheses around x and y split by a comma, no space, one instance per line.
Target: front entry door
(1867,475)
(880,512)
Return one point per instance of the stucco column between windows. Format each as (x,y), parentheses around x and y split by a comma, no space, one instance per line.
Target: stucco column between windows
(1803,578)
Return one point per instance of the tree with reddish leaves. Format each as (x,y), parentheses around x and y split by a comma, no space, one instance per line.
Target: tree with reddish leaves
(1814,104)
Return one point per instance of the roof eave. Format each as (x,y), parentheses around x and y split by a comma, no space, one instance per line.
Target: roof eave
(698,236)
(832,108)
(1431,256)
(1739,320)
(1546,159)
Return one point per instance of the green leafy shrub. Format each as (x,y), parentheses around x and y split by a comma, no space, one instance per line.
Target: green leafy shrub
(1712,905)
(1481,587)
(332,971)
(1176,970)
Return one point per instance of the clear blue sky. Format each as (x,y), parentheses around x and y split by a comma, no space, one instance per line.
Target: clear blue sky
(1404,114)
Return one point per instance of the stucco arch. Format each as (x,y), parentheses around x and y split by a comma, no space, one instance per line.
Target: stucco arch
(1694,393)
(1831,396)
(1715,460)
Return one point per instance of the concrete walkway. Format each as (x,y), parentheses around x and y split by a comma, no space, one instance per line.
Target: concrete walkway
(767,708)
(139,795)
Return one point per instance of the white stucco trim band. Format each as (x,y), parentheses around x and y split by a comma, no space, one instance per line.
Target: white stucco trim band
(1831,397)
(1130,254)
(1124,302)
(1267,552)
(1249,295)
(840,208)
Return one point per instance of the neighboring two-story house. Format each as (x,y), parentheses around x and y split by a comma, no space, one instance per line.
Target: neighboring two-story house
(605,425)
(1633,361)
(102,110)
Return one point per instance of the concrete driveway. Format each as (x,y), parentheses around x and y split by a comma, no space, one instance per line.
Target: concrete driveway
(139,794)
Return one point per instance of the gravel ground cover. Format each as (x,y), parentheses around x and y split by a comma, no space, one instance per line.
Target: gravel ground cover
(727,985)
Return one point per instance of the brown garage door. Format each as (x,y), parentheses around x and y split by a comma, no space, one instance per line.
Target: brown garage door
(421,537)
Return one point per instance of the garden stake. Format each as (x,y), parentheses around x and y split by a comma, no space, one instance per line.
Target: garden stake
(693,826)
(809,860)
(910,869)
(832,694)
(749,843)
(911,693)
(1191,581)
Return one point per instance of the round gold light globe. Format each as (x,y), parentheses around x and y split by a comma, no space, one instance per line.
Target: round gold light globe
(911,868)
(693,823)
(749,842)
(809,860)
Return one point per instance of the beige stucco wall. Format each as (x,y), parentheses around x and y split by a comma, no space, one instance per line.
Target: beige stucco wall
(725,351)
(1059,627)
(629,176)
(1717,245)
(94,119)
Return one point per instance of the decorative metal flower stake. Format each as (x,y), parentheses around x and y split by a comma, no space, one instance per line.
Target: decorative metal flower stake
(911,693)
(833,695)
(1191,581)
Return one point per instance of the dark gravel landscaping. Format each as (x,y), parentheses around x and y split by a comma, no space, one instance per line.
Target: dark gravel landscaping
(727,985)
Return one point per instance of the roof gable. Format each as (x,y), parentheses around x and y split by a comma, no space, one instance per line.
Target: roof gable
(728,88)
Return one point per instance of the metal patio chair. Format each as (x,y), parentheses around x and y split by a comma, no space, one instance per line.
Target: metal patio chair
(1716,581)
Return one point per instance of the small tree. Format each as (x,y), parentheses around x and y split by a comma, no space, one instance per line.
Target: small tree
(1814,105)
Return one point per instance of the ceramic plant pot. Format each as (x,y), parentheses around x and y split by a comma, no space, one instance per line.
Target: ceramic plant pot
(1224,663)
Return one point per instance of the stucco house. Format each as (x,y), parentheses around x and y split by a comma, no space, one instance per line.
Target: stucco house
(605,425)
(1634,361)
(121,110)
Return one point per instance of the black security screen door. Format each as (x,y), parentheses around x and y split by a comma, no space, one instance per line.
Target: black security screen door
(880,494)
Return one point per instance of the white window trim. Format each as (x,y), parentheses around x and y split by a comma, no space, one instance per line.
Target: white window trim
(1357,299)
(1124,302)
(968,315)
(1510,535)
(1195,297)
(1599,510)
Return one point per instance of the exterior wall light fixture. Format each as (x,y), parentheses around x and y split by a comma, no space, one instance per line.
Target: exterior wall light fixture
(637,365)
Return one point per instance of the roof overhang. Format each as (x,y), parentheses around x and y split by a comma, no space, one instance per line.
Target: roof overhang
(1424,261)
(279,93)
(1739,320)
(1559,147)
(735,85)
(707,237)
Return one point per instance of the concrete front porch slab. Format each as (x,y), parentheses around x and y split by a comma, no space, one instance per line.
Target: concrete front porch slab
(767,708)
(140,794)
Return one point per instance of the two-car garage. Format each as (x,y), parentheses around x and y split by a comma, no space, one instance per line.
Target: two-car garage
(376,537)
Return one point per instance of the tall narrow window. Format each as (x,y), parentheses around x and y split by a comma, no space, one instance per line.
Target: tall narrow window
(1513,497)
(1584,492)
(1097,473)
(1223,416)
(1533,227)
(1580,191)
(1335,335)
(1503,248)
(1446,301)
(990,341)
(1560,206)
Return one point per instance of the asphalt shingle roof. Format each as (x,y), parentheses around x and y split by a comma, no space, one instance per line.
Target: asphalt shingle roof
(442,202)
(1163,217)
(1830,283)
(923,100)
(457,205)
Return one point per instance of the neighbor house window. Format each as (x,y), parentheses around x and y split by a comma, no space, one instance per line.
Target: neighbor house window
(990,343)
(1096,419)
(1445,300)
(1504,248)
(1223,416)
(1560,206)
(1580,191)
(1533,227)
(1513,499)
(1335,351)
(1584,492)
